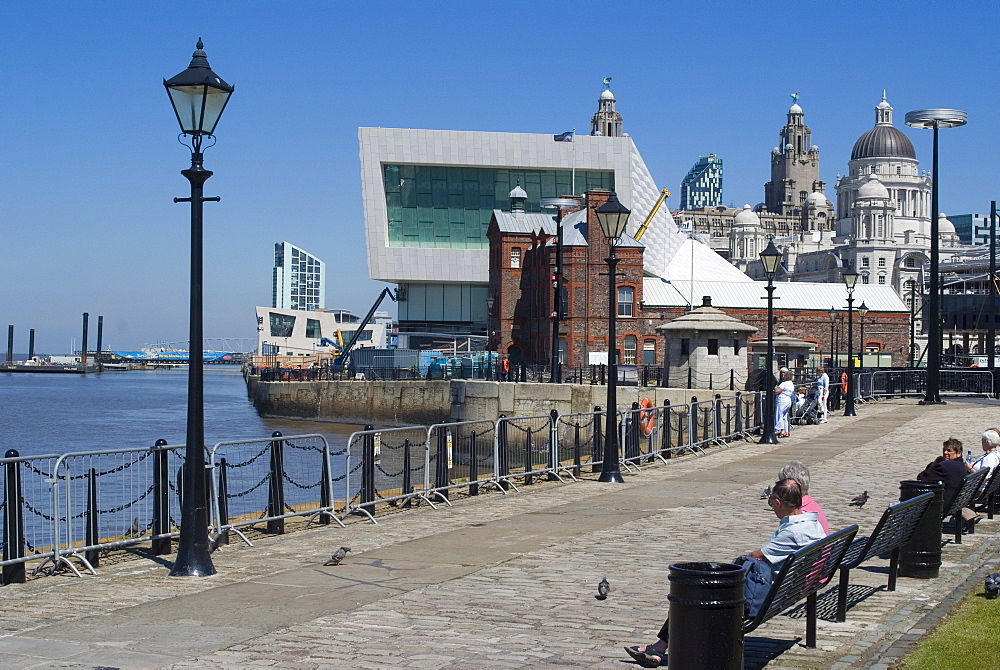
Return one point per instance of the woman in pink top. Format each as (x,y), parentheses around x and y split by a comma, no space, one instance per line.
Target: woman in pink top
(800,473)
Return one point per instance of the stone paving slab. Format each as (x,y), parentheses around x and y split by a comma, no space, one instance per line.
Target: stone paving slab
(509,581)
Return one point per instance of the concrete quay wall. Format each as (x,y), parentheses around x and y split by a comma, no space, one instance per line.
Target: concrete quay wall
(426,402)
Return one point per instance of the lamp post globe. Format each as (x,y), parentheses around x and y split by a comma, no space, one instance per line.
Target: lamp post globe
(613,217)
(198,97)
(770,258)
(862,312)
(850,280)
(934,119)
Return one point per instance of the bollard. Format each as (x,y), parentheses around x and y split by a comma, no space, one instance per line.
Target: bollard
(739,413)
(161,499)
(13,521)
(276,486)
(553,445)
(91,534)
(921,556)
(577,456)
(441,478)
(502,464)
(325,494)
(717,424)
(407,478)
(630,449)
(368,467)
(529,446)
(223,537)
(706,616)
(667,427)
(598,443)
(473,463)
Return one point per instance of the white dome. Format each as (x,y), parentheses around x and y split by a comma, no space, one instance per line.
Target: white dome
(747,217)
(945,227)
(817,198)
(518,192)
(606,94)
(795,109)
(873,188)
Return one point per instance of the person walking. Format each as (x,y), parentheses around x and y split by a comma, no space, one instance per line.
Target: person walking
(823,384)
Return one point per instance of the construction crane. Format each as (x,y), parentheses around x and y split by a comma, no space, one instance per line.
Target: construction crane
(664,194)
(345,349)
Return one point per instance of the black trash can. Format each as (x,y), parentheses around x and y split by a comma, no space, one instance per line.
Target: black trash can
(706,616)
(921,556)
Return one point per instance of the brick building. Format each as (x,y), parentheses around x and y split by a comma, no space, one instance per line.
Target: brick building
(522,263)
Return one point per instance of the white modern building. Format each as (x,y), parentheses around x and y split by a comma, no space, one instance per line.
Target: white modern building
(298,280)
(429,195)
(293,332)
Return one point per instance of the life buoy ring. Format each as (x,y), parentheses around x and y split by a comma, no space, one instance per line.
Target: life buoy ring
(647,418)
(505,365)
(843,382)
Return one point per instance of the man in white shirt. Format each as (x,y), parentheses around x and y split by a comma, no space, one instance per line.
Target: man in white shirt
(824,393)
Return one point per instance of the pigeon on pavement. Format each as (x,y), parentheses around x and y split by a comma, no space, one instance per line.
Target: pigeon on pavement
(766,493)
(603,588)
(993,585)
(338,556)
(859,501)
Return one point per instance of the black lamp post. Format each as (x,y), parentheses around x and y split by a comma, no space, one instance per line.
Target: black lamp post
(558,308)
(862,312)
(913,324)
(769,258)
(613,216)
(198,96)
(850,279)
(833,323)
(934,119)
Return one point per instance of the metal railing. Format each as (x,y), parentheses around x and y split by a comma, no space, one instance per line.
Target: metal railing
(913,382)
(66,511)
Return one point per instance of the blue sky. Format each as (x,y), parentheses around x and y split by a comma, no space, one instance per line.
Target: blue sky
(90,163)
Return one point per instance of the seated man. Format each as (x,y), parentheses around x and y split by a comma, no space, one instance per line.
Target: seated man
(796,529)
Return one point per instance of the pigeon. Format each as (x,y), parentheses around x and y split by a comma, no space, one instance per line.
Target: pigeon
(133,530)
(766,493)
(338,556)
(859,501)
(993,585)
(603,588)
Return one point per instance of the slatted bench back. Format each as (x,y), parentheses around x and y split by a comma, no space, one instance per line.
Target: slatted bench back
(894,529)
(970,485)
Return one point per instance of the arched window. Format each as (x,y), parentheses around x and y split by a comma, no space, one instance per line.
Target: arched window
(630,345)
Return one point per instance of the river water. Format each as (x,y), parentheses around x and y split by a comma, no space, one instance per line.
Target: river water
(59,413)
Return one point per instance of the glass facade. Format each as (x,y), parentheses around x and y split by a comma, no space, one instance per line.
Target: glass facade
(448,207)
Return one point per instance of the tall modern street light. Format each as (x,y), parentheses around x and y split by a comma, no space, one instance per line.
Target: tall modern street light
(862,312)
(934,118)
(613,216)
(850,279)
(769,258)
(558,306)
(198,96)
(833,323)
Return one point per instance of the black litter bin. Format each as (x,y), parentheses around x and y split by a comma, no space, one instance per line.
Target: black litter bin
(706,616)
(921,556)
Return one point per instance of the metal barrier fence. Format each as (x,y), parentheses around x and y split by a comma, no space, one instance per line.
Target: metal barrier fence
(913,382)
(66,510)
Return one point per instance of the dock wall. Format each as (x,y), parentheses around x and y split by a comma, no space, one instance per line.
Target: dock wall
(425,402)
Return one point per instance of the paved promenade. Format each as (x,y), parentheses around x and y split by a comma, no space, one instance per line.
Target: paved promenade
(509,581)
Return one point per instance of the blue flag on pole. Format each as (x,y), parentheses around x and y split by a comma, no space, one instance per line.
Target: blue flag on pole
(564,137)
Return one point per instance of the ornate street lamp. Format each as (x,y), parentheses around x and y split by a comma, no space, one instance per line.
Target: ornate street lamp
(558,308)
(769,258)
(850,279)
(862,312)
(198,96)
(613,216)
(934,118)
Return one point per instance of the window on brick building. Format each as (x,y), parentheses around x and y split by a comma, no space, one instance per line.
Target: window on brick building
(630,346)
(625,301)
(515,257)
(649,352)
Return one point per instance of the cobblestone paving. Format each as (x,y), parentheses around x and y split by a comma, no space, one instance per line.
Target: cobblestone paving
(509,581)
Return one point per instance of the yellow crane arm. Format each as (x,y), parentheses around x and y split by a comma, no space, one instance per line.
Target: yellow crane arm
(664,194)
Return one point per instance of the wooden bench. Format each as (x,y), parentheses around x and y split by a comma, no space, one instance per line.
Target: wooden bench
(803,574)
(963,498)
(986,500)
(893,530)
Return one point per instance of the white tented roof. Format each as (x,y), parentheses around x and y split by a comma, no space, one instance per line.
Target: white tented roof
(658,292)
(705,263)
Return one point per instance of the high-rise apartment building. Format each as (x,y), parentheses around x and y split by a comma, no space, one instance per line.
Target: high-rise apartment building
(702,187)
(298,279)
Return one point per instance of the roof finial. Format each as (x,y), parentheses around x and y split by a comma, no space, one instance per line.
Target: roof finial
(794,97)
(883,95)
(607,83)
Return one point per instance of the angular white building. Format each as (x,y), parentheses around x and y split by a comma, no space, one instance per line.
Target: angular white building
(298,280)
(429,194)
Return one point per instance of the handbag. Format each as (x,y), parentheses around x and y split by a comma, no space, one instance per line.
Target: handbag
(759,576)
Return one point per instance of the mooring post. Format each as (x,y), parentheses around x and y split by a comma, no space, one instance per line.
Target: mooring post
(632,433)
(553,445)
(718,416)
(407,483)
(739,412)
(441,463)
(598,444)
(325,499)
(276,486)
(161,499)
(91,535)
(368,467)
(577,457)
(473,463)
(666,447)
(13,520)
(503,463)
(223,537)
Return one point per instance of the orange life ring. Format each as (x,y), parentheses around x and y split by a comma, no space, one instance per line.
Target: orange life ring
(647,419)
(843,382)
(505,365)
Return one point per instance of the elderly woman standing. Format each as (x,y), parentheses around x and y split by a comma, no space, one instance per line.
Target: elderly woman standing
(783,403)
